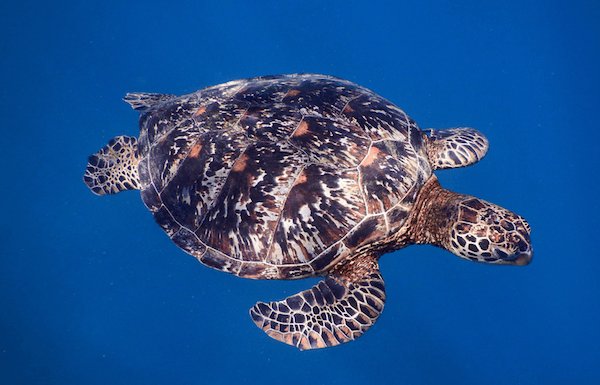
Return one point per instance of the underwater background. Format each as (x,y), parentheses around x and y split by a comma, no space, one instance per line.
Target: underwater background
(93,292)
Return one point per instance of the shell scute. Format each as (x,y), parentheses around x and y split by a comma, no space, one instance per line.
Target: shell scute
(331,142)
(322,97)
(319,211)
(201,176)
(274,123)
(378,117)
(243,217)
(210,115)
(159,120)
(167,154)
(387,173)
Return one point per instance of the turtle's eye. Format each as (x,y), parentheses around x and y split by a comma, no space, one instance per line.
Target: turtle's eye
(490,217)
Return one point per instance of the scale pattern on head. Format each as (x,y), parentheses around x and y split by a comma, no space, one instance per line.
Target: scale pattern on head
(488,233)
(278,177)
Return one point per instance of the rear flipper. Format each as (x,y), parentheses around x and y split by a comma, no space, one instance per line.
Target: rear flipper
(336,310)
(114,168)
(455,147)
(142,101)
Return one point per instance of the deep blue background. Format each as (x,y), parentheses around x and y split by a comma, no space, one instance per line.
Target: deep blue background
(93,292)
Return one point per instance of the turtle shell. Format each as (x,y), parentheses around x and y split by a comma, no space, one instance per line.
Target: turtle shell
(282,176)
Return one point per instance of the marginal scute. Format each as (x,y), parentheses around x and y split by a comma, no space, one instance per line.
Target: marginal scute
(370,229)
(295,271)
(150,197)
(326,259)
(189,242)
(164,218)
(258,270)
(217,260)
(396,218)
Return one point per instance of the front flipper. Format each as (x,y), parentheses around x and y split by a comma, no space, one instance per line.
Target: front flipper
(336,310)
(455,147)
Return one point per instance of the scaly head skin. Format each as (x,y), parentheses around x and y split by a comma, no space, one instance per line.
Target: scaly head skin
(488,233)
(470,227)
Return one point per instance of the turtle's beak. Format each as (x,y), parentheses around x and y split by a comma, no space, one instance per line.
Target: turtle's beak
(524,254)
(518,251)
(523,258)
(520,257)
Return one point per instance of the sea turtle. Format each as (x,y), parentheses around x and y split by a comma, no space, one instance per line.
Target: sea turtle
(294,176)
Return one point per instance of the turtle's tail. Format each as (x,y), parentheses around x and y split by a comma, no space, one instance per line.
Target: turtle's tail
(114,168)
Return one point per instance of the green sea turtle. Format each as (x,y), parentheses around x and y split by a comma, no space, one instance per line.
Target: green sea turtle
(294,176)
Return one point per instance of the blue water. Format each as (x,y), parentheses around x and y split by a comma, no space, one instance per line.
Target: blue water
(93,292)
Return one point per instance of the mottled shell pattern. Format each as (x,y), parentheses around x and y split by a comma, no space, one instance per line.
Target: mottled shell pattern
(280,177)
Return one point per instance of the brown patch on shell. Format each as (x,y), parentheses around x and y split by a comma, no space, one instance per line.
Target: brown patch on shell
(371,156)
(292,93)
(240,164)
(301,130)
(195,150)
(201,110)
(302,178)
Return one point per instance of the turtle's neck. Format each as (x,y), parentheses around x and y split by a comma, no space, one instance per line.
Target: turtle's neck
(433,214)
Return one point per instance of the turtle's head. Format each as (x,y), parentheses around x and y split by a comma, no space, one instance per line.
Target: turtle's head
(469,227)
(485,232)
